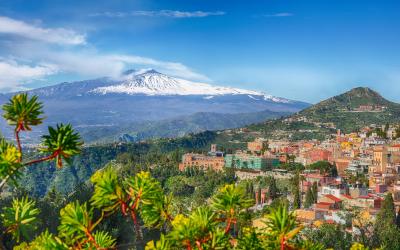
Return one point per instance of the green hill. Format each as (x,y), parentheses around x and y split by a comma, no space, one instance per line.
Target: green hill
(354,109)
(349,111)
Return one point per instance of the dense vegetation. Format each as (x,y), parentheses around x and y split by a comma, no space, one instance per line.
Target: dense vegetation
(137,198)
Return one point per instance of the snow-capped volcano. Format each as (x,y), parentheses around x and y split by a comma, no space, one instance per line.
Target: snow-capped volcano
(140,98)
(151,82)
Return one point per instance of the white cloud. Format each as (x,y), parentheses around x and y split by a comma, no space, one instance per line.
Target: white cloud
(161,13)
(13,74)
(37,59)
(48,35)
(280,14)
(171,68)
(89,64)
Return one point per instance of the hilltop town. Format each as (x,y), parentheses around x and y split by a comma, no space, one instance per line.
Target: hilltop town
(337,176)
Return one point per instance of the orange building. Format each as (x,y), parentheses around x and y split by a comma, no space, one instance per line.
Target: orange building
(203,161)
(342,164)
(315,155)
(380,159)
(257,145)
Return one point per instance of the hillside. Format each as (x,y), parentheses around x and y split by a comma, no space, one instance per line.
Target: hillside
(349,111)
(353,109)
(177,127)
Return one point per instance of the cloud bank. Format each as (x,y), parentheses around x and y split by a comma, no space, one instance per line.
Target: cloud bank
(35,58)
(12,73)
(58,35)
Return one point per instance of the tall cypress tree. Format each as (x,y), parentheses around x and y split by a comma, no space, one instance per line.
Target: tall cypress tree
(297,199)
(295,183)
(387,213)
(309,198)
(314,192)
(385,219)
(273,189)
(398,218)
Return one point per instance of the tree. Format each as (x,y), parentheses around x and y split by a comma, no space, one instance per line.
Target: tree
(386,129)
(328,235)
(282,226)
(139,198)
(397,132)
(23,112)
(324,167)
(20,219)
(309,198)
(297,199)
(386,214)
(295,186)
(385,221)
(398,218)
(272,189)
(62,143)
(314,192)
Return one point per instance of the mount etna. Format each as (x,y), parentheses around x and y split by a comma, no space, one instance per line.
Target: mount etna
(144,104)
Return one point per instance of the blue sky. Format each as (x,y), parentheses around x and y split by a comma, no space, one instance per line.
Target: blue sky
(305,50)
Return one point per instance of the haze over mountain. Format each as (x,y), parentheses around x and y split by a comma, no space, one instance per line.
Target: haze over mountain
(110,109)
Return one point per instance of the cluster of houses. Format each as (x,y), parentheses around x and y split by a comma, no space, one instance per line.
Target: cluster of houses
(362,153)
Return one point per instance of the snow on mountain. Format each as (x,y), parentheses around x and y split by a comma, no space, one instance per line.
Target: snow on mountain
(151,82)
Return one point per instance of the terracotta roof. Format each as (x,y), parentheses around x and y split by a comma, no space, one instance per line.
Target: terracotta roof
(332,197)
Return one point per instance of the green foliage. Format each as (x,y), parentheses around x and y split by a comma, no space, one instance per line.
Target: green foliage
(358,246)
(62,143)
(179,186)
(9,160)
(295,186)
(103,240)
(309,199)
(272,189)
(44,241)
(282,227)
(108,194)
(314,192)
(385,227)
(328,235)
(250,241)
(292,166)
(76,222)
(23,112)
(324,167)
(229,202)
(161,244)
(20,219)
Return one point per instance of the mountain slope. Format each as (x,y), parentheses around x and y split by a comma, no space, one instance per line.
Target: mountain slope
(179,126)
(145,97)
(349,111)
(353,109)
